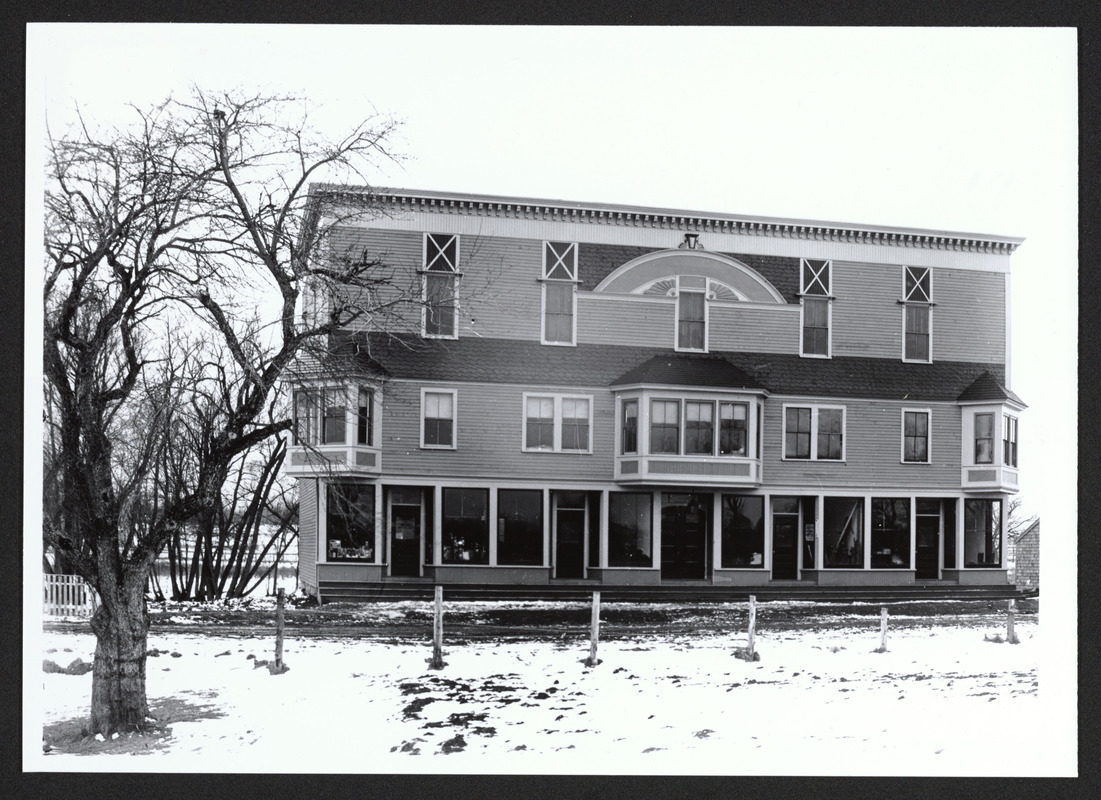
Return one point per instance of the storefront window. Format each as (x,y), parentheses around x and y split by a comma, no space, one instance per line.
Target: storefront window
(743,531)
(629,530)
(890,532)
(465,526)
(844,532)
(982,533)
(520,527)
(350,522)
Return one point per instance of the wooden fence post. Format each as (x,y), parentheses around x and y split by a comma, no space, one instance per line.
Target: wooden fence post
(594,633)
(882,630)
(1010,634)
(752,626)
(279,667)
(437,632)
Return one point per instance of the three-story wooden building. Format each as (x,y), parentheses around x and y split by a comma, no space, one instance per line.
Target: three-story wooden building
(596,394)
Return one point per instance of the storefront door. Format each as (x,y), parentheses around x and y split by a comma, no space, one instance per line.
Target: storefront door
(569,535)
(785,538)
(684,536)
(405,533)
(927,561)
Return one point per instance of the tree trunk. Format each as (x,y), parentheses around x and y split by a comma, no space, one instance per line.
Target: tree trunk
(121,626)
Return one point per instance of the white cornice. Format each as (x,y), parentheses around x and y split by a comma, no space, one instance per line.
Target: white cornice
(671,219)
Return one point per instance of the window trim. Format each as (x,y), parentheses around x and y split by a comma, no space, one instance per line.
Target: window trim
(1009,422)
(913,299)
(316,395)
(928,412)
(814,409)
(547,281)
(558,418)
(827,296)
(425,391)
(456,275)
(622,426)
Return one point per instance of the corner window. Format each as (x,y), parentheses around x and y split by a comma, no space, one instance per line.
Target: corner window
(557,423)
(816,302)
(629,432)
(465,526)
(629,529)
(559,292)
(915,437)
(438,419)
(890,532)
(321,416)
(1009,440)
(440,291)
(984,438)
(917,310)
(350,522)
(743,531)
(982,533)
(816,433)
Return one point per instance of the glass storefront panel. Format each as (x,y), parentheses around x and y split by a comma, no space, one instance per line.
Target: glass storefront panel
(890,532)
(465,526)
(982,533)
(843,532)
(520,527)
(629,529)
(743,531)
(350,522)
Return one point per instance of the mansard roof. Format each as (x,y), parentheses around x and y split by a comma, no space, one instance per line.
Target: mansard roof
(987,388)
(529,363)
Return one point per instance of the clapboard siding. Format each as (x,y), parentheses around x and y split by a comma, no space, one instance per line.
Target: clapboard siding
(307,533)
(867,319)
(612,320)
(489,435)
(873,451)
(753,329)
(500,296)
(969,317)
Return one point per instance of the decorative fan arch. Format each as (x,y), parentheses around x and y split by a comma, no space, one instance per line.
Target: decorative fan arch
(656,274)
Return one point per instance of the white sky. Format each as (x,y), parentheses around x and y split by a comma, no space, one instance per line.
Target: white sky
(971,130)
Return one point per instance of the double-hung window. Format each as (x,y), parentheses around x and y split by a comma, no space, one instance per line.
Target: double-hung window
(321,416)
(438,419)
(917,311)
(559,293)
(691,427)
(665,426)
(984,438)
(915,436)
(692,316)
(732,429)
(815,433)
(629,434)
(699,428)
(557,423)
(816,300)
(441,286)
(1009,440)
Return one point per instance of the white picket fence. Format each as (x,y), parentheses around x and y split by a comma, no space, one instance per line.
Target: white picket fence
(68,596)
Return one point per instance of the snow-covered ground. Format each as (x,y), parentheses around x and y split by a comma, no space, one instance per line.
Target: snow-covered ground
(940,701)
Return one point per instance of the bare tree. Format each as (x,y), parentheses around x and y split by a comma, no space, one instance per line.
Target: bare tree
(197,218)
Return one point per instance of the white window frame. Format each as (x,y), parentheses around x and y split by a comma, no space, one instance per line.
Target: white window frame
(456,276)
(908,301)
(708,293)
(1010,422)
(557,398)
(827,296)
(547,280)
(928,412)
(647,400)
(425,391)
(814,409)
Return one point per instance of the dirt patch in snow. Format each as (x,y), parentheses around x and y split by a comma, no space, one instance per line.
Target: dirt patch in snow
(73,735)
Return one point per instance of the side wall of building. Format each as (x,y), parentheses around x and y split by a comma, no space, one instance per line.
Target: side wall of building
(307,534)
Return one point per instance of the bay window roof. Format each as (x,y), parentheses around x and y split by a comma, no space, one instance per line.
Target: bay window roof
(677,370)
(986,388)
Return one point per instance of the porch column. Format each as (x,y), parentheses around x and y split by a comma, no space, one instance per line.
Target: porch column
(603,516)
(380,523)
(548,516)
(655,526)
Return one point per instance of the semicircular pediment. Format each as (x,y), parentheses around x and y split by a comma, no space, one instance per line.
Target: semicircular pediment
(642,273)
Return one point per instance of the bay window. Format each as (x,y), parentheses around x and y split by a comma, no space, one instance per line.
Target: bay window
(732,428)
(699,428)
(629,433)
(665,426)
(984,438)
(1009,440)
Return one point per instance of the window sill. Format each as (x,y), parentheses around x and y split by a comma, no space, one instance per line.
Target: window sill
(815,355)
(789,460)
(438,447)
(558,344)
